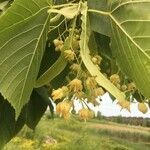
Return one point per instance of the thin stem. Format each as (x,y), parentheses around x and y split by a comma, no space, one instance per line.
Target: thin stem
(79,71)
(63,5)
(82,104)
(66,26)
(86,105)
(62,34)
(99,12)
(57,25)
(59,34)
(141,97)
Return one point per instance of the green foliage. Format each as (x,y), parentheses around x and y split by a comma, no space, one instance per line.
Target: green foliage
(34,110)
(19,65)
(85,55)
(95,41)
(128,26)
(30,115)
(55,69)
(66,136)
(7,121)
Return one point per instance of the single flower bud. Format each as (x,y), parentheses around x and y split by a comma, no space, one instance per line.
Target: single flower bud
(142,107)
(76,85)
(123,87)
(58,42)
(57,94)
(75,67)
(91,83)
(124,104)
(80,95)
(69,55)
(65,90)
(85,114)
(96,59)
(63,109)
(75,44)
(131,86)
(115,78)
(58,48)
(99,59)
(99,91)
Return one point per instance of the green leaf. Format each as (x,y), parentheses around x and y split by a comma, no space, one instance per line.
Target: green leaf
(49,58)
(7,121)
(52,72)
(108,64)
(93,69)
(130,39)
(103,45)
(99,23)
(61,79)
(23,34)
(30,115)
(57,67)
(34,110)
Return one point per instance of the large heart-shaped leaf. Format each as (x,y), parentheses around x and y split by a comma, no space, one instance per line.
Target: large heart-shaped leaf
(130,35)
(23,34)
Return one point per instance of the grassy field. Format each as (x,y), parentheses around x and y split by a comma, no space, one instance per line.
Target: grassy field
(74,134)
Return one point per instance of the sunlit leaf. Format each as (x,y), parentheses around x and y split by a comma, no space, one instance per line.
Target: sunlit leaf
(23,34)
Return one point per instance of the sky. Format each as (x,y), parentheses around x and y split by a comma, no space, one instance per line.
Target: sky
(108,107)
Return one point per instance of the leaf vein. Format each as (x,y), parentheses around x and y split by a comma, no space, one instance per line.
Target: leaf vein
(12,38)
(14,66)
(25,8)
(35,50)
(17,51)
(23,20)
(126,21)
(121,28)
(11,82)
(35,3)
(130,2)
